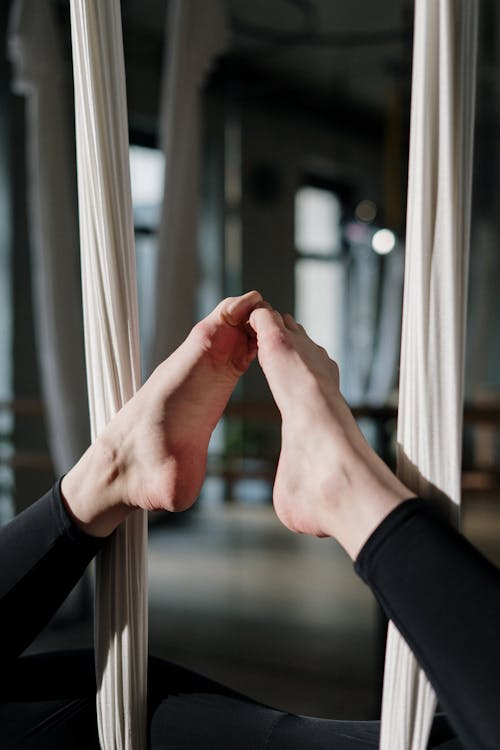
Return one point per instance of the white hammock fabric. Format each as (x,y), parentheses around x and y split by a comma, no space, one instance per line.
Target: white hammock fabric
(434,310)
(112,353)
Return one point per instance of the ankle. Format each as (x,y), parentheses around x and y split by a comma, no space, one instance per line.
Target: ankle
(369,492)
(92,490)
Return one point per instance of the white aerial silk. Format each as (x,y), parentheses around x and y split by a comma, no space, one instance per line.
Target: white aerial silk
(434,310)
(112,353)
(195,35)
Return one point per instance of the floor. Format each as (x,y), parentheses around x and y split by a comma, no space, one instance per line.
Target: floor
(279,616)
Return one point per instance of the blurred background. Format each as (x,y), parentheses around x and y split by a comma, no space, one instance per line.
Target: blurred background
(268,150)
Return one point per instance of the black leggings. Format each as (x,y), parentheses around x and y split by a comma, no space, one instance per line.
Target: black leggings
(50,703)
(440,592)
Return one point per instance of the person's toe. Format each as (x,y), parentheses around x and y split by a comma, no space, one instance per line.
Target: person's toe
(290,322)
(236,310)
(265,320)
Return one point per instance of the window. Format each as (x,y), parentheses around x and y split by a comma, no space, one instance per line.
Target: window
(147,174)
(319,267)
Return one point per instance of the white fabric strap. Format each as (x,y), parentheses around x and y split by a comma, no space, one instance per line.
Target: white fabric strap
(434,309)
(112,352)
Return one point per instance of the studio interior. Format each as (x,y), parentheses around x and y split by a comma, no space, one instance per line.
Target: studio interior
(269,146)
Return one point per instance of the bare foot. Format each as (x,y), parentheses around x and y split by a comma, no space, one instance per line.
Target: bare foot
(329,481)
(152,454)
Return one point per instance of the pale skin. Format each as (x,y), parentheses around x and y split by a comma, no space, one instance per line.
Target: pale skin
(152,455)
(329,482)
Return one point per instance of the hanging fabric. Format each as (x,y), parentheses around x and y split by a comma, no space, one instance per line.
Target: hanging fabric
(434,309)
(41,75)
(195,34)
(112,354)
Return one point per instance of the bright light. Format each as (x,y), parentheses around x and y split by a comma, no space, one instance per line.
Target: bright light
(383,241)
(317,221)
(146,174)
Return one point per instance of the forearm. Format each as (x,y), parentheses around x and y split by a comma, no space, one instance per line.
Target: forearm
(42,556)
(444,597)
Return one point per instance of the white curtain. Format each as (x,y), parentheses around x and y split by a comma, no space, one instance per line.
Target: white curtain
(434,309)
(40,75)
(195,35)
